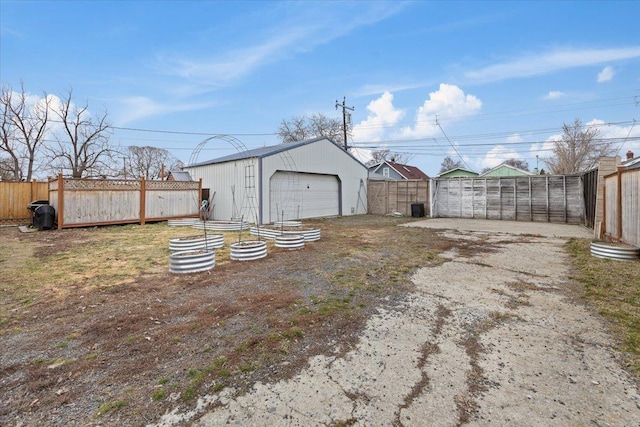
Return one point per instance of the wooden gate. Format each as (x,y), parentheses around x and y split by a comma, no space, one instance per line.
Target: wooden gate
(589,194)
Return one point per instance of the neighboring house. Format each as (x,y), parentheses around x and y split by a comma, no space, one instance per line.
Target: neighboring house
(306,179)
(631,162)
(504,169)
(179,176)
(396,171)
(457,172)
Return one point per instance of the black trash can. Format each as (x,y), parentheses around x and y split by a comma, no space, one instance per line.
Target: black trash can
(44,217)
(417,210)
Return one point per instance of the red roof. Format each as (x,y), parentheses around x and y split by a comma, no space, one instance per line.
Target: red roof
(409,172)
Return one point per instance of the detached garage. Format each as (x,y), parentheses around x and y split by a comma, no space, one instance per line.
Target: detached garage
(307,179)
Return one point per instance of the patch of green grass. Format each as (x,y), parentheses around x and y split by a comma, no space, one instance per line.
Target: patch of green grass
(163,380)
(613,288)
(293,332)
(62,344)
(158,394)
(189,393)
(332,305)
(92,356)
(110,406)
(246,366)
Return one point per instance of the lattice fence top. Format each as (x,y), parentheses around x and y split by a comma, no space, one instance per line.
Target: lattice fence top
(100,184)
(125,184)
(172,185)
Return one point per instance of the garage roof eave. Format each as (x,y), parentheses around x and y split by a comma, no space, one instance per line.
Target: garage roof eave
(262,152)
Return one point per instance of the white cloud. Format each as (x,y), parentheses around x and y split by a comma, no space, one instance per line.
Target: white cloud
(606,75)
(137,107)
(515,138)
(497,155)
(375,89)
(298,29)
(382,114)
(624,133)
(448,102)
(548,62)
(554,94)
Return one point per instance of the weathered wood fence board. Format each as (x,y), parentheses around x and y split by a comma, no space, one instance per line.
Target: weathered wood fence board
(388,197)
(622,206)
(15,196)
(83,202)
(549,198)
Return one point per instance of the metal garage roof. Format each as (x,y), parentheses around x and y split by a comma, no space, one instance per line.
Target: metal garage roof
(264,152)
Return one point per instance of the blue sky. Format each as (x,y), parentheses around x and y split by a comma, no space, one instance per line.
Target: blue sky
(484,80)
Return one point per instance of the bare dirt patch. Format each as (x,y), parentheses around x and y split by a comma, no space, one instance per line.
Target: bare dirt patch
(95,331)
(374,324)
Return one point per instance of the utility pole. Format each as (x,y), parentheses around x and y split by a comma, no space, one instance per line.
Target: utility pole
(344,118)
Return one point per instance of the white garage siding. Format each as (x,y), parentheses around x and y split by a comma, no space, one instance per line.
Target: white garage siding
(297,195)
(227,182)
(279,178)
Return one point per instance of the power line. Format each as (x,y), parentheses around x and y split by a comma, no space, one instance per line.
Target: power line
(451,144)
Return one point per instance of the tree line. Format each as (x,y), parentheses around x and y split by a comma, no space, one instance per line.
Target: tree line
(577,150)
(49,134)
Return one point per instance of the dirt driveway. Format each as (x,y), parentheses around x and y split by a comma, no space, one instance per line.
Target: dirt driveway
(485,338)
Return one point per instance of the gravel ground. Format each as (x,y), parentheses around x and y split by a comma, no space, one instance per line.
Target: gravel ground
(485,338)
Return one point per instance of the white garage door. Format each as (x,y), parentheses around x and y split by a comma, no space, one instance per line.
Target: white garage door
(296,195)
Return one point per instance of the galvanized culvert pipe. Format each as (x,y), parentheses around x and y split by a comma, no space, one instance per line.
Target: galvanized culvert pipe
(195,243)
(618,252)
(248,250)
(309,234)
(287,224)
(221,225)
(191,261)
(290,241)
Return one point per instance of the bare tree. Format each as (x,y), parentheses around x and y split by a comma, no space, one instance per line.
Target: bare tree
(318,125)
(518,163)
(449,163)
(379,156)
(148,162)
(578,150)
(7,172)
(22,130)
(83,147)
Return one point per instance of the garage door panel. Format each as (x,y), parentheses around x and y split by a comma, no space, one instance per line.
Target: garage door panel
(295,195)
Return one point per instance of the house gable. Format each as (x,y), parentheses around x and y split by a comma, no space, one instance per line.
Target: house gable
(457,172)
(393,170)
(504,169)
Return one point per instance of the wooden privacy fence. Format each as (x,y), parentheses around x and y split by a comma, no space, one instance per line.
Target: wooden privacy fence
(621,219)
(88,202)
(548,198)
(388,197)
(15,196)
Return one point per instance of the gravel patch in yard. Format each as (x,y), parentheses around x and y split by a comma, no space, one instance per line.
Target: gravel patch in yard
(489,337)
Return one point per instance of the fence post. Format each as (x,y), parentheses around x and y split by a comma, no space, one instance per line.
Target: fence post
(143,199)
(619,202)
(60,201)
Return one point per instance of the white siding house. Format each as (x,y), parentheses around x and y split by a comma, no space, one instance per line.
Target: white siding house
(307,179)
